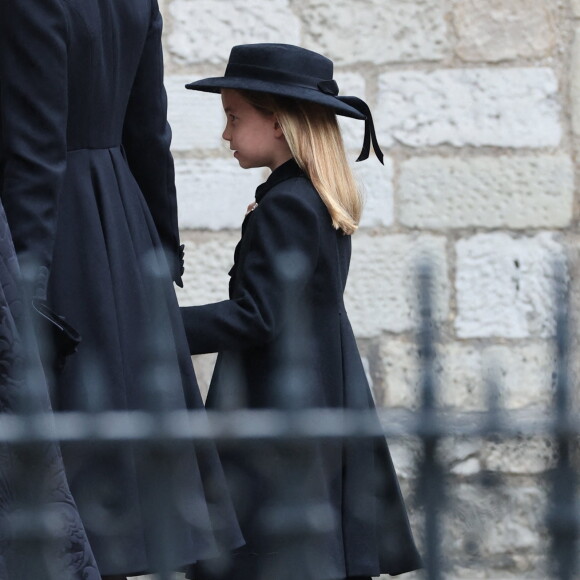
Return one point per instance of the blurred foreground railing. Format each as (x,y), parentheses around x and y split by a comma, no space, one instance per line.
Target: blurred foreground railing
(232,426)
(239,427)
(428,425)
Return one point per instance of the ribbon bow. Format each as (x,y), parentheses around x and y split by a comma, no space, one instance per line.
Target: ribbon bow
(328,87)
(370,134)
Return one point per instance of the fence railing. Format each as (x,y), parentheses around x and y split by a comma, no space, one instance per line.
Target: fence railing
(428,425)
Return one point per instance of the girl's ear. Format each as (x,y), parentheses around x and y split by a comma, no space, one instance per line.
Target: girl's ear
(277,129)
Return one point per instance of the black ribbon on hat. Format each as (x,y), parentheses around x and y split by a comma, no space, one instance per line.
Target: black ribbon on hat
(328,87)
(370,134)
(331,88)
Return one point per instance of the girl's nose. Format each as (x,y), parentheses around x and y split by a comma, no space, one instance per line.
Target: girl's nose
(226,134)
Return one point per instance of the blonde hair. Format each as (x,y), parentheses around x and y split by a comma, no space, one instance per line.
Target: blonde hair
(315,140)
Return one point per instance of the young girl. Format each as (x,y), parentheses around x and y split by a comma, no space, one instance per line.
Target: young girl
(284,338)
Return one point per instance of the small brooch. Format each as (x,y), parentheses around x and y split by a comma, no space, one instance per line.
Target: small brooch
(252,207)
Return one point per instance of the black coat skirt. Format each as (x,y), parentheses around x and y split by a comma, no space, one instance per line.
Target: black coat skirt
(87,181)
(325,510)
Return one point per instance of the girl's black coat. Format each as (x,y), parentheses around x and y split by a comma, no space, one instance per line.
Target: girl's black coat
(87,182)
(285,341)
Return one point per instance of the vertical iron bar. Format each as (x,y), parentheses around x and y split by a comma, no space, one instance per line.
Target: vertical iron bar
(430,473)
(299,516)
(563,509)
(158,457)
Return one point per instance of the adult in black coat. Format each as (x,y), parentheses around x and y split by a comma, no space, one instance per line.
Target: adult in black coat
(325,510)
(32,477)
(87,182)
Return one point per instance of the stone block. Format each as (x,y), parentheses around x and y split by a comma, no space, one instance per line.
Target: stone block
(353,31)
(576,7)
(460,456)
(490,192)
(488,522)
(381,293)
(505,285)
(517,107)
(214,193)
(376,183)
(400,364)
(462,370)
(456,449)
(519,456)
(573,255)
(204,32)
(523,373)
(208,259)
(204,365)
(496,30)
(575,83)
(406,455)
(469,466)
(197,119)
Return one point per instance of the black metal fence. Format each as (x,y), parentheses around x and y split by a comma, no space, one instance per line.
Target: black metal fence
(158,431)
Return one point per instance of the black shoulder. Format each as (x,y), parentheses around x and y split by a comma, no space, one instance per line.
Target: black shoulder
(301,192)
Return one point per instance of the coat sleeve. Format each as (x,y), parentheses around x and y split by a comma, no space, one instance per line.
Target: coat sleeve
(146,140)
(282,251)
(33,106)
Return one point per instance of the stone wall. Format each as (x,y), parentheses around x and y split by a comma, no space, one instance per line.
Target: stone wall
(478,112)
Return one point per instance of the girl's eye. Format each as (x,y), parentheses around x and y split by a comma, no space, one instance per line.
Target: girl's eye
(233,118)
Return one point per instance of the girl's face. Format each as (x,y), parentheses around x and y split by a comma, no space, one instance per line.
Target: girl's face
(255,137)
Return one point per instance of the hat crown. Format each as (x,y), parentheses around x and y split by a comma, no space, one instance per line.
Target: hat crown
(284,58)
(283,70)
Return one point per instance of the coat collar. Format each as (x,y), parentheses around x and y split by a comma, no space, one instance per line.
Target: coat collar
(286,171)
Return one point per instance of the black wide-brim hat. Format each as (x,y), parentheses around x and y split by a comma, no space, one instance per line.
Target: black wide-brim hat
(289,71)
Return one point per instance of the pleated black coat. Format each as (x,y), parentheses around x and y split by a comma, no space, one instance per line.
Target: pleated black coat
(285,341)
(87,182)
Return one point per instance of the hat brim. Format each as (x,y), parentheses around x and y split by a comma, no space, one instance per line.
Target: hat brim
(215,84)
